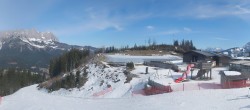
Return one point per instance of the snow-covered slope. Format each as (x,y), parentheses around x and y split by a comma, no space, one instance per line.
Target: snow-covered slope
(29,98)
(96,94)
(107,82)
(140,59)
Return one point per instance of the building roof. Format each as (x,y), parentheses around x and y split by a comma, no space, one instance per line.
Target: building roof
(234,77)
(241,58)
(240,62)
(232,73)
(222,55)
(202,53)
(246,64)
(208,54)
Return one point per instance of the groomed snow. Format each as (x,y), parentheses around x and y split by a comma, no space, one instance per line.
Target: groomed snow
(29,98)
(141,59)
(232,73)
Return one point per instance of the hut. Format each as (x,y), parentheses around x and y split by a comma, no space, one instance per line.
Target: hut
(237,65)
(196,55)
(245,68)
(222,60)
(202,56)
(232,79)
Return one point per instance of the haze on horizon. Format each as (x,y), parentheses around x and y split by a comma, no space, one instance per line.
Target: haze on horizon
(213,23)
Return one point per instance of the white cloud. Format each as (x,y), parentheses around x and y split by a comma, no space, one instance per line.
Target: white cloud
(185,30)
(150,27)
(239,9)
(170,32)
(95,15)
(221,38)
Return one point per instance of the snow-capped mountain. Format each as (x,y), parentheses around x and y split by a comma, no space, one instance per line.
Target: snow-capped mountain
(214,49)
(33,40)
(247,47)
(238,51)
(26,48)
(235,52)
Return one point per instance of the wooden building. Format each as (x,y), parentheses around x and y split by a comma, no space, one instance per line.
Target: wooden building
(202,56)
(222,60)
(238,65)
(232,79)
(195,56)
(242,66)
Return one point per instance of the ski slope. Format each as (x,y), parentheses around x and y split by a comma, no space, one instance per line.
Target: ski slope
(120,98)
(95,95)
(29,98)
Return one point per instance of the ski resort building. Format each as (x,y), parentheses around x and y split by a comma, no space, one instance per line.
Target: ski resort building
(202,56)
(236,65)
(232,79)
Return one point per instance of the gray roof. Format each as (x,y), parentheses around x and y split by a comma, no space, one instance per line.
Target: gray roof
(203,53)
(240,62)
(246,64)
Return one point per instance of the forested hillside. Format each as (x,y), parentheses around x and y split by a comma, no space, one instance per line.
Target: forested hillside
(68,61)
(177,46)
(12,80)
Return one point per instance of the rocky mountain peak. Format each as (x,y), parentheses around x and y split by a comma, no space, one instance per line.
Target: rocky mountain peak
(28,34)
(247,47)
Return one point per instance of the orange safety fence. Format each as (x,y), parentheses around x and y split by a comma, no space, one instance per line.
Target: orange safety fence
(176,88)
(102,92)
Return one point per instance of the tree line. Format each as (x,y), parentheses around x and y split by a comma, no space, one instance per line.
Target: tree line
(177,46)
(185,44)
(12,80)
(71,80)
(67,62)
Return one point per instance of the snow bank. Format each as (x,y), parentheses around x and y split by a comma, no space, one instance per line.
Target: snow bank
(232,73)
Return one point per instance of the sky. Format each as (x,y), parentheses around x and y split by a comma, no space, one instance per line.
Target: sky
(208,23)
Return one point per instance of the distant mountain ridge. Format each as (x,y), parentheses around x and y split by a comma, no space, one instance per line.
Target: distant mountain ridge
(29,48)
(247,47)
(233,52)
(214,49)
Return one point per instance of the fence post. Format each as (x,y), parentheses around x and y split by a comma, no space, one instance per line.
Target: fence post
(183,86)
(169,87)
(1,98)
(199,86)
(214,85)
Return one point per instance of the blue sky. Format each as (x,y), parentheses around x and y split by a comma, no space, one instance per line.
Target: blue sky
(209,23)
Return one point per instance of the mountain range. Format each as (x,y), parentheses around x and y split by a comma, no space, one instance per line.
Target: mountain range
(30,48)
(233,52)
